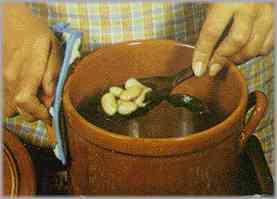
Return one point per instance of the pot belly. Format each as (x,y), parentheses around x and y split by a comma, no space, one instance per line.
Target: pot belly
(96,171)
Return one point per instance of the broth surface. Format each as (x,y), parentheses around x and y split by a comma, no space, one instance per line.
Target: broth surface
(163,121)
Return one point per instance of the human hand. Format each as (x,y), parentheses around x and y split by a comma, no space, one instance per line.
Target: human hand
(31,63)
(250,35)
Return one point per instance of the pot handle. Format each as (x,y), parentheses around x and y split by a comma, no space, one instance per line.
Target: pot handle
(253,149)
(259,100)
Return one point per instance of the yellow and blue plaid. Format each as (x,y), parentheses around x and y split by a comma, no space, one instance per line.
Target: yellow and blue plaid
(104,23)
(112,22)
(259,75)
(36,133)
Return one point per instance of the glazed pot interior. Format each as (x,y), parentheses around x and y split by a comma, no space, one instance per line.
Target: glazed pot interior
(114,65)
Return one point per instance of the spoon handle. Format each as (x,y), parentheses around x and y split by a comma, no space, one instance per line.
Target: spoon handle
(180,76)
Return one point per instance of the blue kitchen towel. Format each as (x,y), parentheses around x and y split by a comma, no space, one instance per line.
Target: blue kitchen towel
(72,43)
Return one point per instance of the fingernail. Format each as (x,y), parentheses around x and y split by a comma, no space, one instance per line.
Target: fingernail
(214,69)
(198,69)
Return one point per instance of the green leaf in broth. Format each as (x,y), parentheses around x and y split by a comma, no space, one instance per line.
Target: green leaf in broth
(191,103)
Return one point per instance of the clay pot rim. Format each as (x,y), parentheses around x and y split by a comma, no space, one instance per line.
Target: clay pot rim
(23,163)
(156,146)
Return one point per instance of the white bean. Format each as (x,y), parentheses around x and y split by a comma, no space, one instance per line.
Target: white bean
(109,104)
(126,107)
(140,100)
(131,93)
(132,82)
(116,91)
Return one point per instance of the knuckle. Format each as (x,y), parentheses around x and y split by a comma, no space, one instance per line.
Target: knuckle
(251,53)
(265,51)
(218,58)
(237,58)
(238,39)
(22,99)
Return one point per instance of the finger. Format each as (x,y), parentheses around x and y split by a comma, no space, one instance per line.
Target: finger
(34,109)
(52,70)
(212,29)
(268,44)
(217,63)
(261,28)
(247,53)
(27,117)
(9,107)
(12,68)
(237,58)
(238,35)
(31,78)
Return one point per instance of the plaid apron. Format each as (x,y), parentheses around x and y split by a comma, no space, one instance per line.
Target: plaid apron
(113,22)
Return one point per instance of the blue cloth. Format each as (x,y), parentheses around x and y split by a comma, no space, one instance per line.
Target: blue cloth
(70,40)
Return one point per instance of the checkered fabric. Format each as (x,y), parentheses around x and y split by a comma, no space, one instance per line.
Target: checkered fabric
(258,73)
(112,22)
(37,133)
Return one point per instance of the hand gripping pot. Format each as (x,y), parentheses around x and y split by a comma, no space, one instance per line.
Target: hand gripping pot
(204,163)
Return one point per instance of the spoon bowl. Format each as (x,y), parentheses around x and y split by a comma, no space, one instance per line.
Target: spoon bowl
(161,88)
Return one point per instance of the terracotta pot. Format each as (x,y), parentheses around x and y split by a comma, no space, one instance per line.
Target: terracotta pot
(102,162)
